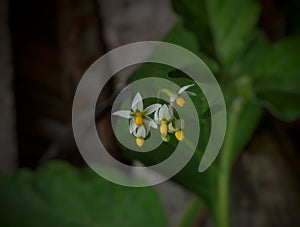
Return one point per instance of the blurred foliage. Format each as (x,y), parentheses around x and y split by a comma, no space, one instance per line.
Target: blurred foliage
(253,74)
(61,195)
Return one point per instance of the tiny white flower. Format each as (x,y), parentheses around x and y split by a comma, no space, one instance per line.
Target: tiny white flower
(137,114)
(176,127)
(140,134)
(164,113)
(163,116)
(177,97)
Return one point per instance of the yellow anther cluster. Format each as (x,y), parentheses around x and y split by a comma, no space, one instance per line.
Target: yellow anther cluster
(139,141)
(163,128)
(139,120)
(180,101)
(179,135)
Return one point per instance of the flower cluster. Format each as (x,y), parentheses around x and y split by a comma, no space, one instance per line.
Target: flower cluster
(140,121)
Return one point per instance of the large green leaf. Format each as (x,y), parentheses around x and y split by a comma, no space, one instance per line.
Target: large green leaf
(222,28)
(183,37)
(247,123)
(232,23)
(250,64)
(278,84)
(195,19)
(60,195)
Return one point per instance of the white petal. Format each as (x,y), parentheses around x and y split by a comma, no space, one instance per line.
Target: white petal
(135,133)
(184,88)
(153,124)
(123,113)
(162,112)
(190,93)
(171,112)
(171,128)
(166,112)
(173,98)
(152,108)
(149,122)
(141,132)
(137,102)
(168,115)
(132,126)
(182,123)
(156,116)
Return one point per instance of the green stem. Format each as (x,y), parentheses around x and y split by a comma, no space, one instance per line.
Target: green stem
(165,91)
(189,144)
(236,110)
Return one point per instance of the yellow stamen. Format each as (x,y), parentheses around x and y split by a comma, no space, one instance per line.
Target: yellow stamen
(180,101)
(163,128)
(139,141)
(179,135)
(139,120)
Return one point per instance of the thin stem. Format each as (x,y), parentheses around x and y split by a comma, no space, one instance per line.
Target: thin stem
(189,144)
(236,110)
(165,91)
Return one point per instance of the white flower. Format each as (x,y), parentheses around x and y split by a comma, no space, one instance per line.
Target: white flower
(164,113)
(140,134)
(176,127)
(163,116)
(177,97)
(137,114)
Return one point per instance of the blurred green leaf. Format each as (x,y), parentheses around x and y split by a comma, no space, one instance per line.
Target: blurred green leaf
(278,84)
(248,67)
(195,19)
(181,36)
(231,23)
(60,195)
(257,51)
(223,28)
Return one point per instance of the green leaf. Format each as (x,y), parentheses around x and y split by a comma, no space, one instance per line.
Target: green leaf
(195,19)
(282,104)
(223,28)
(278,85)
(232,23)
(179,35)
(247,123)
(257,51)
(60,195)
